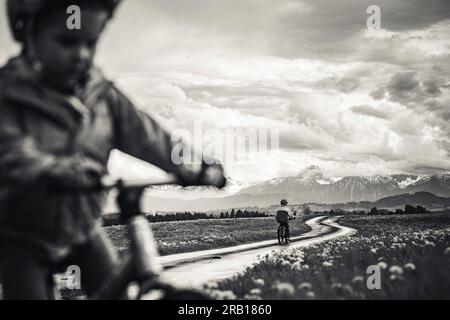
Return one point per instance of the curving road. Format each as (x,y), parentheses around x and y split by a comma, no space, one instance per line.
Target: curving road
(194,269)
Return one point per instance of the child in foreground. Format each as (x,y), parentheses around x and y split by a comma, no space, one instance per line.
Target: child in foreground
(59,121)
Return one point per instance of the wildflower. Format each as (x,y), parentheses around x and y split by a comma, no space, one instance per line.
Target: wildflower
(310,295)
(255,292)
(305,286)
(374,250)
(395,277)
(297,265)
(306,267)
(357,280)
(259,282)
(383,265)
(327,264)
(396,270)
(348,289)
(223,295)
(410,266)
(429,244)
(336,286)
(380,244)
(284,288)
(285,263)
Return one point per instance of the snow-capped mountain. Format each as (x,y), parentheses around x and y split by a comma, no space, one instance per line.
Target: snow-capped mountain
(310,185)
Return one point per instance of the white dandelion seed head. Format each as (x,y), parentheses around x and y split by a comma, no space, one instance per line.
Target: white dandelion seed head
(305,286)
(396,270)
(410,266)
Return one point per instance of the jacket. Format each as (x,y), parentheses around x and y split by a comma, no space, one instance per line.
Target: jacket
(283,214)
(39,128)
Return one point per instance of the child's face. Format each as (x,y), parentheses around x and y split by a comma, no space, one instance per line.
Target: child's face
(67,55)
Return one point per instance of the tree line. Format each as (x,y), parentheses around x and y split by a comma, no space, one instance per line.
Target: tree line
(114,219)
(409,209)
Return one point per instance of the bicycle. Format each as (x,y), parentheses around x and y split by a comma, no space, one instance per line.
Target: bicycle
(139,266)
(282,234)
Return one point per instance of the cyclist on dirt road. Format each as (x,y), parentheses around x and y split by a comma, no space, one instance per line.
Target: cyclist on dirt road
(283,215)
(60,118)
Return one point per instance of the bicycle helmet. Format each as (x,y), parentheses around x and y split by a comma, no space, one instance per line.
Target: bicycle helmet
(284,202)
(21,12)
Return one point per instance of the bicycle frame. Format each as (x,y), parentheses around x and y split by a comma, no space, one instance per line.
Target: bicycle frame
(141,264)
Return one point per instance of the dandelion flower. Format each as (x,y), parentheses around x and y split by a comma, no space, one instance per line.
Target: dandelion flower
(336,286)
(259,282)
(380,243)
(296,265)
(410,266)
(255,292)
(357,280)
(429,244)
(284,288)
(305,286)
(396,270)
(395,277)
(285,263)
(223,295)
(348,289)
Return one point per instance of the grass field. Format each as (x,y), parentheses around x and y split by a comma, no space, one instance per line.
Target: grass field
(187,236)
(412,252)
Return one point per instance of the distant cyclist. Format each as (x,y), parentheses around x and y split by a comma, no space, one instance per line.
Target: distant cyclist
(284,214)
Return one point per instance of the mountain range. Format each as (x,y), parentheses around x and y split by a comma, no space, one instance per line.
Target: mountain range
(422,198)
(311,186)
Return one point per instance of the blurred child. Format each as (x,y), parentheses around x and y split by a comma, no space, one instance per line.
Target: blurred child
(59,120)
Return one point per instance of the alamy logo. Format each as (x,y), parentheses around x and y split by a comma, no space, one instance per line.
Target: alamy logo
(374,279)
(374,20)
(74,20)
(73,278)
(223,146)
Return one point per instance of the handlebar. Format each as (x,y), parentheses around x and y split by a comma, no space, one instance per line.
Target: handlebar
(108,183)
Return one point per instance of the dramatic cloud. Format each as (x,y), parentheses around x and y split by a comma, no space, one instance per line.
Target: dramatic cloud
(349,99)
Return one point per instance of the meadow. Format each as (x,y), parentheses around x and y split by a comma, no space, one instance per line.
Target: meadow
(189,236)
(411,252)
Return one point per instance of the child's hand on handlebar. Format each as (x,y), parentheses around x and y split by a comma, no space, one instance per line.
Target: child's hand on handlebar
(213,175)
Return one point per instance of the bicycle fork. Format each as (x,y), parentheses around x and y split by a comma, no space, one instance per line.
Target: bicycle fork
(142,264)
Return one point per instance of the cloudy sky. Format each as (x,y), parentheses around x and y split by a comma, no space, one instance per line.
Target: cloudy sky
(352,100)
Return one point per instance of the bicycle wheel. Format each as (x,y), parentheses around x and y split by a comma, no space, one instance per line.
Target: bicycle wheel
(286,239)
(281,234)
